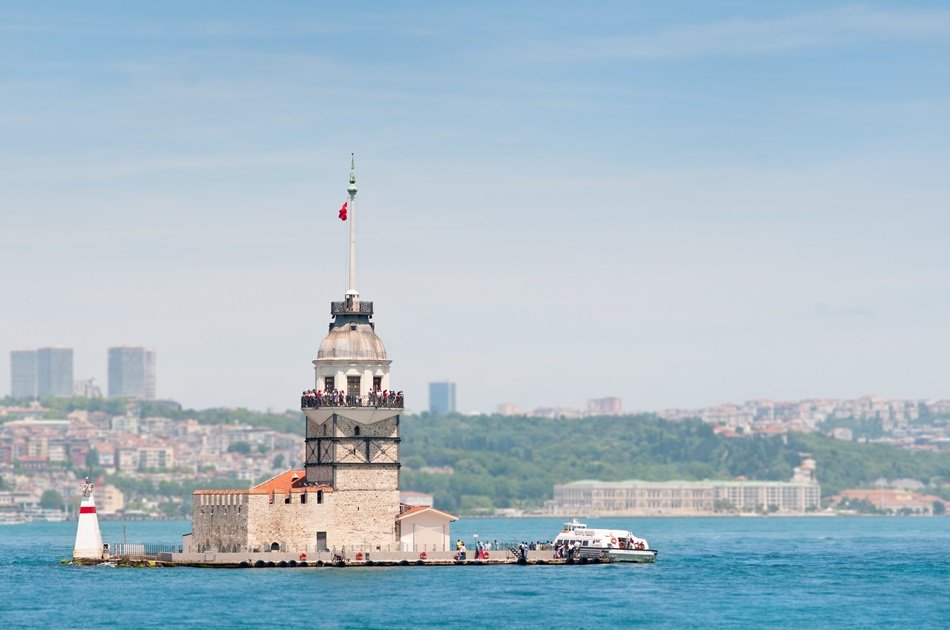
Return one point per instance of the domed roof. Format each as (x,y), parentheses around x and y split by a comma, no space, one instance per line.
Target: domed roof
(352,341)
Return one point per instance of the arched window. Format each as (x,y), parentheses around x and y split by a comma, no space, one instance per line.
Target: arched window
(275,547)
(356,430)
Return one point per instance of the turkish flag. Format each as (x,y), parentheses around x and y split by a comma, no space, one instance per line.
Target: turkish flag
(343,212)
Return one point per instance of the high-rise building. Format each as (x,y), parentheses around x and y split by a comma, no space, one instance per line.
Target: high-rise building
(131,372)
(54,372)
(23,374)
(442,397)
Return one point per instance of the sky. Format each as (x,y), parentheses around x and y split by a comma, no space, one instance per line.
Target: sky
(677,203)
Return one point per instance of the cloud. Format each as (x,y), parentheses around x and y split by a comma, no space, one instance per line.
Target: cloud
(745,36)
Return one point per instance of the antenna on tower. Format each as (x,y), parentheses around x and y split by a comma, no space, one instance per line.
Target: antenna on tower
(351,292)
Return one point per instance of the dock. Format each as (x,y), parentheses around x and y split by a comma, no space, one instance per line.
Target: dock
(329,559)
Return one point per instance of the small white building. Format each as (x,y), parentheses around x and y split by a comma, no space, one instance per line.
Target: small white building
(424,528)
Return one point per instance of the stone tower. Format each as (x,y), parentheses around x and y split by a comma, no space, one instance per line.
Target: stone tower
(352,445)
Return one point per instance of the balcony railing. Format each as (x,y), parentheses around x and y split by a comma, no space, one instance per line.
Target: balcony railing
(396,401)
(350,308)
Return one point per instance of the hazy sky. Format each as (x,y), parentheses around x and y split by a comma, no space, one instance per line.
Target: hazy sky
(679,203)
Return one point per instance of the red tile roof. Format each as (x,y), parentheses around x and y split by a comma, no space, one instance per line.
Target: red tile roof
(290,481)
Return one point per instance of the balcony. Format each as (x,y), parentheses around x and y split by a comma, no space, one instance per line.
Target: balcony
(396,401)
(351,307)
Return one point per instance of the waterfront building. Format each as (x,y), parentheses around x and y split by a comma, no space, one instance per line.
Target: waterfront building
(610,406)
(131,372)
(671,498)
(112,499)
(347,497)
(892,500)
(23,374)
(54,372)
(87,388)
(442,397)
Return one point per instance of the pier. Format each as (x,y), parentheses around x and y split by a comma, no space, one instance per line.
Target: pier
(144,556)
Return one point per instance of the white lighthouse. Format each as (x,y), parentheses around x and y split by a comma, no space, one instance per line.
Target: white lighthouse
(88,537)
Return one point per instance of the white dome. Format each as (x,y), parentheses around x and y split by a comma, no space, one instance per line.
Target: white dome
(352,341)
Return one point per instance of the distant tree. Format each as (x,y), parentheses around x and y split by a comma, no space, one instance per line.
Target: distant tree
(414,461)
(169,508)
(724,505)
(240,447)
(279,461)
(476,503)
(92,458)
(52,500)
(939,509)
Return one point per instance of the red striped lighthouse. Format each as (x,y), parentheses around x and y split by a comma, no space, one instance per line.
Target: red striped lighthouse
(88,537)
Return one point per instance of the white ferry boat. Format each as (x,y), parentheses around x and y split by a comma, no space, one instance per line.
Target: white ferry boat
(618,545)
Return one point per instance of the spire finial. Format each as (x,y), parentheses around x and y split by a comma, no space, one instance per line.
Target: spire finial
(351,189)
(351,291)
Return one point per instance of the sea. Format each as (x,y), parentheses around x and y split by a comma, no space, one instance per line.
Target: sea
(771,572)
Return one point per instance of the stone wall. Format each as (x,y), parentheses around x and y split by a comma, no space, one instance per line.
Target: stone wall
(357,519)
(365,519)
(293,526)
(320,474)
(368,477)
(346,427)
(219,522)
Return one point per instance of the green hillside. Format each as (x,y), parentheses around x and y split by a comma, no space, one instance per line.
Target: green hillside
(287,421)
(513,461)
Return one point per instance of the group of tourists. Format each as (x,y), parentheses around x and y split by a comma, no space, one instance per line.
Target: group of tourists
(314,398)
(482,550)
(564,549)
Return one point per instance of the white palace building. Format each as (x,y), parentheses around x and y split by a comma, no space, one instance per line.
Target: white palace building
(683,498)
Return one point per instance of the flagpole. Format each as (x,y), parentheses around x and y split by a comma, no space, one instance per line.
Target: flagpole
(351,190)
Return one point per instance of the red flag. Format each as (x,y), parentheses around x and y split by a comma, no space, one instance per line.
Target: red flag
(343,212)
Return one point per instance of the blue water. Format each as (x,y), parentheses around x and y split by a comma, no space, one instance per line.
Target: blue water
(726,572)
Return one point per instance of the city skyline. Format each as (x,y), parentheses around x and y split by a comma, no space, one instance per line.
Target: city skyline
(677,207)
(49,372)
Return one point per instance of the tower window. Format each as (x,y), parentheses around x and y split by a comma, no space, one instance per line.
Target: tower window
(329,383)
(303,497)
(356,430)
(319,496)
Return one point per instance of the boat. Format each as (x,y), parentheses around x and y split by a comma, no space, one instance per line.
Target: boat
(579,541)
